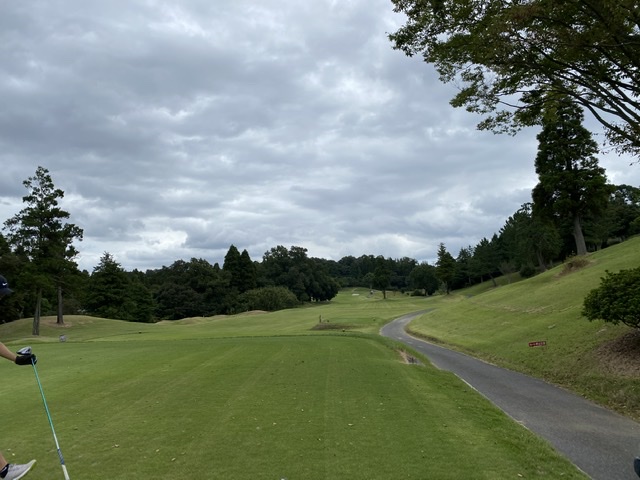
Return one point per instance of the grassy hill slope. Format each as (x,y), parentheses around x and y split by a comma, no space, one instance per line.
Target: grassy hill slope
(595,359)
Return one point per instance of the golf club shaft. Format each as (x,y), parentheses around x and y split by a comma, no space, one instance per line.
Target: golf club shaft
(46,408)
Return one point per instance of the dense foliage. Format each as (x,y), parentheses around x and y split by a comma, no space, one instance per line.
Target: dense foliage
(284,277)
(269,299)
(510,57)
(112,293)
(43,240)
(571,183)
(616,300)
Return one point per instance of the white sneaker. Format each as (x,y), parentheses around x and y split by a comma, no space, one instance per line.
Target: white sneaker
(18,471)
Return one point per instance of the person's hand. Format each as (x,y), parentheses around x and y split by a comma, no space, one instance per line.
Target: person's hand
(27,359)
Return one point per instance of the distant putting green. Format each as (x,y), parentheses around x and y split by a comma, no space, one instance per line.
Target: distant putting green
(189,400)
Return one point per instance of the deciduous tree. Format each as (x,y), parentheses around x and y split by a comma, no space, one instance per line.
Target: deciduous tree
(622,210)
(510,57)
(189,289)
(306,278)
(616,300)
(269,299)
(423,276)
(382,276)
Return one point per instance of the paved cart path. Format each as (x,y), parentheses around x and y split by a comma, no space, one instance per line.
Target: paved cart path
(600,442)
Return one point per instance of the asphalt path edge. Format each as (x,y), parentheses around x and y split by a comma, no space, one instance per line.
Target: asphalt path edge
(601,443)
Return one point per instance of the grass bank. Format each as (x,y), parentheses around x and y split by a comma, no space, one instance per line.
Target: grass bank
(595,359)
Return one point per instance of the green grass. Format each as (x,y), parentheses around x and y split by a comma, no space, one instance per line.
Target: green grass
(498,323)
(256,396)
(351,310)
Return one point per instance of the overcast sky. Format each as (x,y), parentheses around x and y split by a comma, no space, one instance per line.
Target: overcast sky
(178,128)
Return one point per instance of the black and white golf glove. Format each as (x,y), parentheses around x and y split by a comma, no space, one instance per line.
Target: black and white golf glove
(26,359)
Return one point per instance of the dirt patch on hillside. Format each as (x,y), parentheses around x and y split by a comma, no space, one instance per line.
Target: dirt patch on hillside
(621,356)
(573,264)
(53,322)
(408,358)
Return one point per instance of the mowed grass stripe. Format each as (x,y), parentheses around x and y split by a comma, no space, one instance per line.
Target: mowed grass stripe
(324,407)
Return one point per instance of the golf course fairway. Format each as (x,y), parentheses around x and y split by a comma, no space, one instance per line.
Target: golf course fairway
(189,400)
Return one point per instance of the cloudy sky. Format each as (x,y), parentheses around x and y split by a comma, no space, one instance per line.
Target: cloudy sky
(176,129)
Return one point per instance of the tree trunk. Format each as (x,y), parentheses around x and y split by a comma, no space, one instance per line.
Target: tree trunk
(541,262)
(36,315)
(60,320)
(581,246)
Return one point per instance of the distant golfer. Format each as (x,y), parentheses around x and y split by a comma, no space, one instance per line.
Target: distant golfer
(11,471)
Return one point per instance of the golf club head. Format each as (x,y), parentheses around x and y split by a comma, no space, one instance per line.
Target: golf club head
(24,351)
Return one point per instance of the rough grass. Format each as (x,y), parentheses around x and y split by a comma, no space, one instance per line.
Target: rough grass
(595,359)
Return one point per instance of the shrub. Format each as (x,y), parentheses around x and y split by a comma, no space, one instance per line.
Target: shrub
(616,300)
(527,271)
(269,299)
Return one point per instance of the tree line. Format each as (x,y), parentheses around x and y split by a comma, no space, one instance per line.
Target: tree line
(573,210)
(517,63)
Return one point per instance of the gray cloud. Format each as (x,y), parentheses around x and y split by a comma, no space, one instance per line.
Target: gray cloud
(178,129)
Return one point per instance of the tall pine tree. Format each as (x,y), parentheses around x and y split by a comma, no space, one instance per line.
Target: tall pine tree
(571,183)
(39,233)
(445,267)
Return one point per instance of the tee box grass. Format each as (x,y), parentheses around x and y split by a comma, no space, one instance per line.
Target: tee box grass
(255,397)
